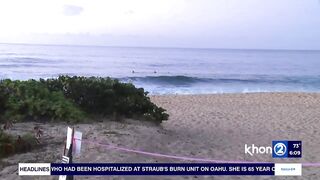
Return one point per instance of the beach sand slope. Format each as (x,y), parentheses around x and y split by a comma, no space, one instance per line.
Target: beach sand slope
(200,126)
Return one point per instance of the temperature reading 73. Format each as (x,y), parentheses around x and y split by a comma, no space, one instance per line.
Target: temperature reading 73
(296,145)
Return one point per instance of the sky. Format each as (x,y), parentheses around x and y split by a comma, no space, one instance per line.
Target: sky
(237,24)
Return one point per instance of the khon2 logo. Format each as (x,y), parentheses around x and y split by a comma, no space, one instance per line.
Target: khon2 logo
(279,149)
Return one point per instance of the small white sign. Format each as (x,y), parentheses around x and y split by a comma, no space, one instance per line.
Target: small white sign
(69,138)
(34,169)
(77,142)
(288,169)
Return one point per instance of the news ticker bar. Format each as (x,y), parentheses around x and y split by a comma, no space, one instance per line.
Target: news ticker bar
(278,169)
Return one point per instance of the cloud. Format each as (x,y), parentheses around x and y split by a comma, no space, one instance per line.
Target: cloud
(72,10)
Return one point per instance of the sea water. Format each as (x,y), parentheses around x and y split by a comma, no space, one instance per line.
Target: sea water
(169,70)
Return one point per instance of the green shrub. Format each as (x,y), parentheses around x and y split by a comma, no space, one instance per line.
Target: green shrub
(31,100)
(94,95)
(71,98)
(106,96)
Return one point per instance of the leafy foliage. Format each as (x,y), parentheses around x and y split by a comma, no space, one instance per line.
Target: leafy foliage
(71,98)
(31,100)
(107,96)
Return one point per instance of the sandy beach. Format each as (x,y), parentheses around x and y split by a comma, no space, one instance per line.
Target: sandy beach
(200,126)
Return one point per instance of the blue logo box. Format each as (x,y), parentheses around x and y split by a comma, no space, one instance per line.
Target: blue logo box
(286,149)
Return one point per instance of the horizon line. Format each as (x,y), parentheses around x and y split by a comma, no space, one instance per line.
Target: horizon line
(156,47)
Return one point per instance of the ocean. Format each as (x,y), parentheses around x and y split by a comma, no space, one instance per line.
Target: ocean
(169,70)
